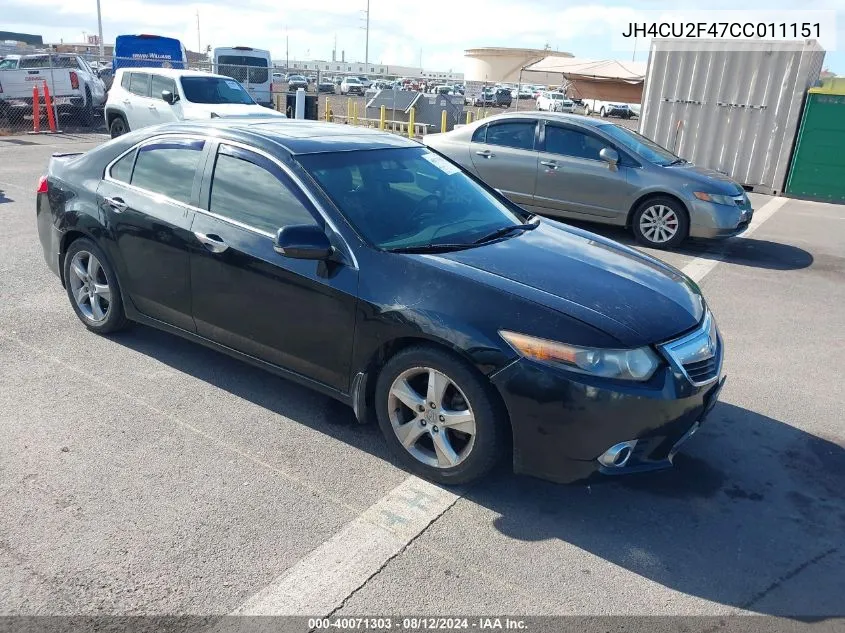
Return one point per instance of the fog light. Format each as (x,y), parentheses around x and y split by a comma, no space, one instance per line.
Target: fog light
(618,454)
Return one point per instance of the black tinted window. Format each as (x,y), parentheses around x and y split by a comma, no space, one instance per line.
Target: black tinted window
(168,168)
(519,134)
(122,169)
(162,83)
(480,135)
(139,84)
(249,189)
(568,142)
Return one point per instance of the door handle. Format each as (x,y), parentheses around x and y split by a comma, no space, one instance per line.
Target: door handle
(117,204)
(152,107)
(213,243)
(486,153)
(126,102)
(550,164)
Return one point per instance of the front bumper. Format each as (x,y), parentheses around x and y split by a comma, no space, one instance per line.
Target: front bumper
(709,220)
(563,422)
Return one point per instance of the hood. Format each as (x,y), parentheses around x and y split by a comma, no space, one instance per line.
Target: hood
(204,110)
(636,299)
(725,184)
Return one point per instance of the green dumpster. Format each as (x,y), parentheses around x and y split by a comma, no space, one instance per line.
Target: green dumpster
(818,162)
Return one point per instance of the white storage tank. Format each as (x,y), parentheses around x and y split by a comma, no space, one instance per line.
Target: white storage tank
(733,106)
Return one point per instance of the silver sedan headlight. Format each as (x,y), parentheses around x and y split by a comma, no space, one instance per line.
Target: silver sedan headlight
(625,364)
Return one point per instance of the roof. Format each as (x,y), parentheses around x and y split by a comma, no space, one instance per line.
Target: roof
(301,136)
(399,99)
(552,116)
(579,67)
(172,72)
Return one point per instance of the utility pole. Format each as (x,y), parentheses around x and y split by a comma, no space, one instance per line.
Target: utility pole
(287,51)
(100,28)
(367,40)
(199,44)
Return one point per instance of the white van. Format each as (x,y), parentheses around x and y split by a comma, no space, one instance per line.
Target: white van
(251,67)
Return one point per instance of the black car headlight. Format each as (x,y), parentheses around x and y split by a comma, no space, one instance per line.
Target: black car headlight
(625,364)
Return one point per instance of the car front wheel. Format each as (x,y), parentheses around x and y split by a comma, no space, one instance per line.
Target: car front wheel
(439,416)
(118,127)
(660,223)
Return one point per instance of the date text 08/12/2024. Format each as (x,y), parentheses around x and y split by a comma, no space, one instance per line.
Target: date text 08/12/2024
(416,624)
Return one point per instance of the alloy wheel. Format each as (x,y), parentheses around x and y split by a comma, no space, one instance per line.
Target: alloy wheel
(659,223)
(90,287)
(431,417)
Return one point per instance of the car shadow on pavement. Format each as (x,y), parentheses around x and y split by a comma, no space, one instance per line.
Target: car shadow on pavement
(752,516)
(743,251)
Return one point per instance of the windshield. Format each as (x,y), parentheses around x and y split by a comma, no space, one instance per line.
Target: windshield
(351,80)
(296,78)
(214,90)
(408,197)
(639,144)
(243,68)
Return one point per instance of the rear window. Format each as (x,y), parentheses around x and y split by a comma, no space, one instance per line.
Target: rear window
(243,68)
(160,84)
(517,134)
(168,167)
(139,84)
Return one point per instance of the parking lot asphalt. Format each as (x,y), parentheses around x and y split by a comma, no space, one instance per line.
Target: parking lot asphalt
(141,474)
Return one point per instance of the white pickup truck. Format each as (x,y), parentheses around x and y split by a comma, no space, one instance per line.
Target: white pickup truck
(74,86)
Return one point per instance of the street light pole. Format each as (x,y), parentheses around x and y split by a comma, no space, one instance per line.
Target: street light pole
(367,40)
(100,29)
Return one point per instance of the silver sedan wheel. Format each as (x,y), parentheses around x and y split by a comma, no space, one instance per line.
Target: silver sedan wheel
(659,223)
(90,287)
(431,417)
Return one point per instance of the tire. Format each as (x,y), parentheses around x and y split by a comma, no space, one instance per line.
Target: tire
(100,311)
(651,210)
(118,126)
(87,113)
(602,113)
(474,449)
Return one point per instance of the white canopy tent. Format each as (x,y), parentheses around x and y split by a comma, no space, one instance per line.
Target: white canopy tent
(573,68)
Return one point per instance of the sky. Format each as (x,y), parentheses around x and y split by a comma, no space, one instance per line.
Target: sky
(402,32)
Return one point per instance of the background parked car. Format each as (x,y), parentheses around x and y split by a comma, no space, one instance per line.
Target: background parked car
(295,82)
(495,97)
(554,102)
(325,85)
(148,96)
(352,86)
(584,168)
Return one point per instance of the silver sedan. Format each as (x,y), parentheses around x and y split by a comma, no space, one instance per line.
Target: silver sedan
(570,166)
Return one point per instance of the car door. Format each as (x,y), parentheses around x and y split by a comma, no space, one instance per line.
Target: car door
(146,199)
(504,156)
(138,101)
(573,181)
(159,110)
(297,314)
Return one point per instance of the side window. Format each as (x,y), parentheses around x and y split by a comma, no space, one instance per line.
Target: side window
(122,169)
(168,167)
(139,84)
(252,190)
(480,135)
(124,82)
(568,142)
(159,84)
(518,134)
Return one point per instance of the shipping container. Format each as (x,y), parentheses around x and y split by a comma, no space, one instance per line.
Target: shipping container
(733,106)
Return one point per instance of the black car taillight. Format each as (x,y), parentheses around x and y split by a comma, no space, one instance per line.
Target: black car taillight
(42,185)
(74,80)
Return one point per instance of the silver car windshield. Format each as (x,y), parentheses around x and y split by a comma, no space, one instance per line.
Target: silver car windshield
(640,145)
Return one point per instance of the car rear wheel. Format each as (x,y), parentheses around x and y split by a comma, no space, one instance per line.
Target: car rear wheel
(439,417)
(118,126)
(660,223)
(603,113)
(92,288)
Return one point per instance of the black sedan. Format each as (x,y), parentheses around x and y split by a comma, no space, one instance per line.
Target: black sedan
(371,269)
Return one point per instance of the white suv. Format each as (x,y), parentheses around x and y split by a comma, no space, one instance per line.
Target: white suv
(147,96)
(554,102)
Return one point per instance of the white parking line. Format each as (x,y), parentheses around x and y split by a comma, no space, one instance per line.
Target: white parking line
(322,581)
(698,268)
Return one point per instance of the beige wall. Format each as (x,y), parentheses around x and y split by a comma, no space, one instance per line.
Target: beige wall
(503,64)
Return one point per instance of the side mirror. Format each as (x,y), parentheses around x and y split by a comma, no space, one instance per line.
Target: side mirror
(169,97)
(609,156)
(303,241)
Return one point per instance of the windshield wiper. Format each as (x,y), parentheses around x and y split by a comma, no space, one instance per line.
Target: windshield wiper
(429,248)
(677,161)
(505,230)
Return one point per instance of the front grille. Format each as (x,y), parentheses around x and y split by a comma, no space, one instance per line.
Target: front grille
(697,355)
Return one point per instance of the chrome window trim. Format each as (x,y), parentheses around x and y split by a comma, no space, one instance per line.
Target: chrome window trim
(671,350)
(207,139)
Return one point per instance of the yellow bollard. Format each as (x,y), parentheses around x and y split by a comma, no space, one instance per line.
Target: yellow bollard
(443,121)
(478,114)
(411,116)
(348,110)
(328,116)
(382,115)
(355,113)
(469,117)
